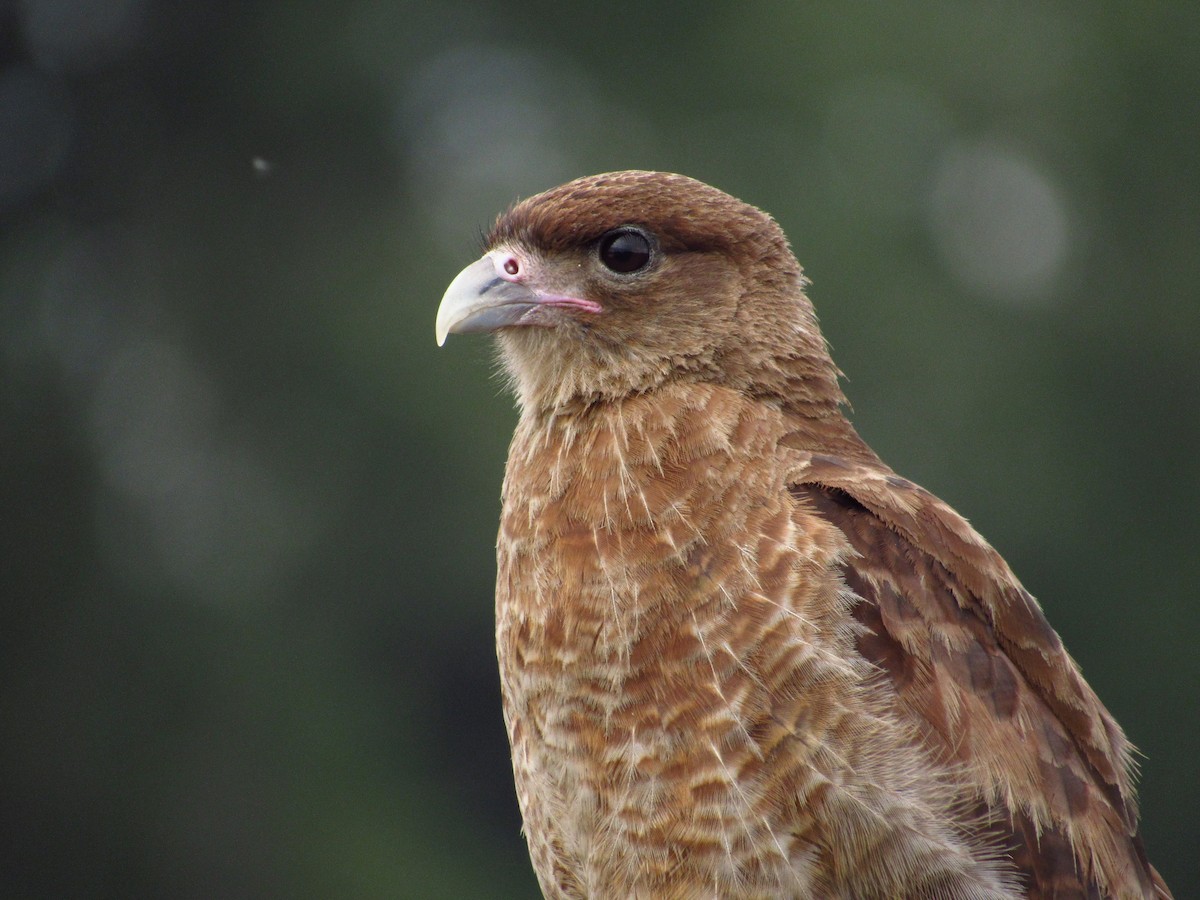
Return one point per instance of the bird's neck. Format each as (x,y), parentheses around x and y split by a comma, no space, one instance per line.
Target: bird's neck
(584,485)
(824,429)
(584,488)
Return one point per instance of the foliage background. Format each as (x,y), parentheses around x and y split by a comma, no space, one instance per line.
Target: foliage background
(248,508)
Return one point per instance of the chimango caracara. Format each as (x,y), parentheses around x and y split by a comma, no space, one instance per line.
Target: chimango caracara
(740,656)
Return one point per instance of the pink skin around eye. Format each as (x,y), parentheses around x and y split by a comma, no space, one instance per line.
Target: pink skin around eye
(510,268)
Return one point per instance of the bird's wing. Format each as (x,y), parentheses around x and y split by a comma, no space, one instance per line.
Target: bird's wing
(987,683)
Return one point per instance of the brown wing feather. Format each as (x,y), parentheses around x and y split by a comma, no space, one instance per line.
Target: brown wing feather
(975,664)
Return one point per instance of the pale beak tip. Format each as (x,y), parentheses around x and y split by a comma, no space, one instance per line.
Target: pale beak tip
(461,297)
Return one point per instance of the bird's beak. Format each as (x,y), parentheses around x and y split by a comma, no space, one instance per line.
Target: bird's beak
(479,299)
(483,298)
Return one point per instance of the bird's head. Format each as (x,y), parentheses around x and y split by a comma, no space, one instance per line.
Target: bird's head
(620,283)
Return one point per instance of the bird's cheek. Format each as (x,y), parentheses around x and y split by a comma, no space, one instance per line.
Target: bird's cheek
(544,317)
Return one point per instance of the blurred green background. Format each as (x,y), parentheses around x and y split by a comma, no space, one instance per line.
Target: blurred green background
(249,509)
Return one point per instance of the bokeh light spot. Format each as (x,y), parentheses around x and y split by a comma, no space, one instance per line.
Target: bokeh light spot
(1000,222)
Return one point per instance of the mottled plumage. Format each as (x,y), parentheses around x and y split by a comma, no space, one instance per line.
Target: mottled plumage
(740,656)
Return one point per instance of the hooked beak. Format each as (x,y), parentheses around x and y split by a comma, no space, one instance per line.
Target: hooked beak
(482,297)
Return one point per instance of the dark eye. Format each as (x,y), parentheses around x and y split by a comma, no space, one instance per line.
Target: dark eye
(625,251)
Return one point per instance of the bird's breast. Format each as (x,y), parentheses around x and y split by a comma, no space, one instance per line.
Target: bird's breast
(626,528)
(648,577)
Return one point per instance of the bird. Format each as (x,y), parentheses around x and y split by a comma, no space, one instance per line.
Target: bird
(740,656)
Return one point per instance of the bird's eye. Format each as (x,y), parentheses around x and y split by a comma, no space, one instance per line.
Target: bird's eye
(625,251)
